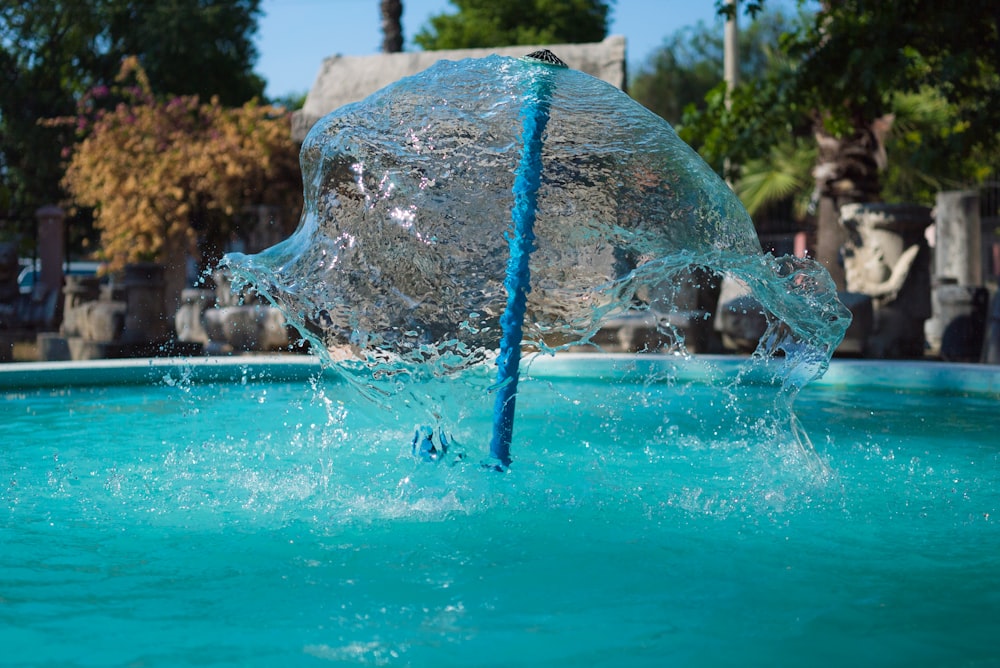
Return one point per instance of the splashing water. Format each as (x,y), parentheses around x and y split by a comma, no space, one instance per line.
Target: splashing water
(401,249)
(414,216)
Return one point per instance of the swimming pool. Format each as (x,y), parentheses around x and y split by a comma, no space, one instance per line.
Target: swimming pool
(262,513)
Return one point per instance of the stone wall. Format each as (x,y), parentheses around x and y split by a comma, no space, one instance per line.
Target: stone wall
(345,79)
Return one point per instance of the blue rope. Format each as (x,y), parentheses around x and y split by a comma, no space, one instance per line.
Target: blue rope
(521,240)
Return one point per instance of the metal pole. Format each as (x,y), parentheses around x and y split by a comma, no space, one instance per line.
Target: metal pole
(731,48)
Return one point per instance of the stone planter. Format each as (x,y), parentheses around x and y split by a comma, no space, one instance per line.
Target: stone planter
(189,321)
(245,328)
(77,291)
(102,322)
(145,321)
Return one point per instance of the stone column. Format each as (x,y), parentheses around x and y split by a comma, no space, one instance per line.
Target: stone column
(958,240)
(959,299)
(51,245)
(991,342)
(145,319)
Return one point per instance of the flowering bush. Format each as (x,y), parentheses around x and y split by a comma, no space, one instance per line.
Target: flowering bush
(161,174)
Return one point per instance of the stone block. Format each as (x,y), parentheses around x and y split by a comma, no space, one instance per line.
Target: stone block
(53,348)
(345,79)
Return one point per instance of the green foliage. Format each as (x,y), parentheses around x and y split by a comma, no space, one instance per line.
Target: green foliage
(190,47)
(744,124)
(485,23)
(928,149)
(931,66)
(291,101)
(679,73)
(52,51)
(780,174)
(688,64)
(750,7)
(163,176)
(856,55)
(46,51)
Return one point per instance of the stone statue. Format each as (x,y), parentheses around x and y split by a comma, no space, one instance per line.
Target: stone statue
(887,258)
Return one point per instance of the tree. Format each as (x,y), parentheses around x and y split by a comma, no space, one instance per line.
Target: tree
(392,27)
(850,65)
(46,53)
(688,64)
(52,51)
(484,23)
(168,177)
(190,47)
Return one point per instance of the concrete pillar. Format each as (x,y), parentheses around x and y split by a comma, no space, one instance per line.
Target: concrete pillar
(145,319)
(958,238)
(51,246)
(960,303)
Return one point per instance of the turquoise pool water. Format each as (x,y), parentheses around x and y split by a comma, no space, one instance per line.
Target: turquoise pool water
(263,514)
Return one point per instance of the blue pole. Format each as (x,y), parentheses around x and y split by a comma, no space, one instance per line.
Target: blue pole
(521,240)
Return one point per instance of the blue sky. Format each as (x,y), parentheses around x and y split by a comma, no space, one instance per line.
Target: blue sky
(295,36)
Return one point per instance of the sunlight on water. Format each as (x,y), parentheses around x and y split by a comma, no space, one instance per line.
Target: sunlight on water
(261,523)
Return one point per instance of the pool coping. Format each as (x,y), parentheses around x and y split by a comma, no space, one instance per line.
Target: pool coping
(146,370)
(843,373)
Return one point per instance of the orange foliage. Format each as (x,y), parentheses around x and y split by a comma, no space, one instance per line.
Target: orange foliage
(153,169)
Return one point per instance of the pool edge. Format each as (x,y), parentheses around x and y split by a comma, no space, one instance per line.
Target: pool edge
(843,373)
(146,370)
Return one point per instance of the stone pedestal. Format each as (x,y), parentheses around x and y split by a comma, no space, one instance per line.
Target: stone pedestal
(6,347)
(103,321)
(245,328)
(82,350)
(53,348)
(145,320)
(959,300)
(886,257)
(685,305)
(991,344)
(78,291)
(958,237)
(959,321)
(189,321)
(855,341)
(739,317)
(51,246)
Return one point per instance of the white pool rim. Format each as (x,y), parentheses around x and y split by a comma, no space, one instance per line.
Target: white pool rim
(843,373)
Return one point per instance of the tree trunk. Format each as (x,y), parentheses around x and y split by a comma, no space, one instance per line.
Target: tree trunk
(847,171)
(392,26)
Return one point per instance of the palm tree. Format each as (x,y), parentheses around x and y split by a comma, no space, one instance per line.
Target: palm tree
(780,175)
(795,168)
(846,172)
(392,27)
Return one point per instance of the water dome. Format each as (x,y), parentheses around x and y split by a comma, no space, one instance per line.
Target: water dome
(405,239)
